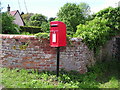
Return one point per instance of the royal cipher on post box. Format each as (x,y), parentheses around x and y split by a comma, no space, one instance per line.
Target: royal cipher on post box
(57,34)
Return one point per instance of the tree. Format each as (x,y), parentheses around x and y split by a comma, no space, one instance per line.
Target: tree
(98,31)
(45,27)
(26,18)
(51,19)
(37,20)
(85,9)
(94,33)
(112,15)
(8,27)
(71,15)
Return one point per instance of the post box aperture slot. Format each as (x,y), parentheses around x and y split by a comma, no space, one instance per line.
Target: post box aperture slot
(54,25)
(54,31)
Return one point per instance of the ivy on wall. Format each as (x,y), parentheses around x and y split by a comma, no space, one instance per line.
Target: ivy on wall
(98,31)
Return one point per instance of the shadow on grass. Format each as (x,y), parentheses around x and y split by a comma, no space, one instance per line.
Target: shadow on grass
(101,73)
(108,70)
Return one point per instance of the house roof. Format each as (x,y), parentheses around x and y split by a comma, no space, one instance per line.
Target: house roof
(13,12)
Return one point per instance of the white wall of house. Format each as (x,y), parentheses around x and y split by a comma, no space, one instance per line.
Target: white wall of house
(18,20)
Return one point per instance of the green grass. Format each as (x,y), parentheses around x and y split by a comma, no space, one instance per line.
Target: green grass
(102,75)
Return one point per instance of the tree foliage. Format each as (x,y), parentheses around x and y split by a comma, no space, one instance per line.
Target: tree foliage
(8,27)
(112,15)
(51,19)
(85,9)
(37,20)
(26,18)
(45,27)
(96,32)
(72,15)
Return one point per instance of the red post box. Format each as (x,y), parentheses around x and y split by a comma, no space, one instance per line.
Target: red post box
(57,34)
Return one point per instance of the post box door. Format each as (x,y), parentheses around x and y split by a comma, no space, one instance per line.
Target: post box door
(57,34)
(54,35)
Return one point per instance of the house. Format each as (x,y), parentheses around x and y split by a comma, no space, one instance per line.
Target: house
(16,14)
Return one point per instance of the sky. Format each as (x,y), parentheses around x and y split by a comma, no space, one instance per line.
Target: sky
(50,8)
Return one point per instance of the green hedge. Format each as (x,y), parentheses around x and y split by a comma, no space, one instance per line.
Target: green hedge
(30,29)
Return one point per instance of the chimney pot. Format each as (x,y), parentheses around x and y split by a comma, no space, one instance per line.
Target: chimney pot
(8,8)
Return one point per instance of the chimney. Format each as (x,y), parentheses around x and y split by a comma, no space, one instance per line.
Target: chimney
(8,8)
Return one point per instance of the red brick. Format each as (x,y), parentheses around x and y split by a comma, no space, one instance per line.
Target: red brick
(25,58)
(56,65)
(47,68)
(34,55)
(52,63)
(23,40)
(43,65)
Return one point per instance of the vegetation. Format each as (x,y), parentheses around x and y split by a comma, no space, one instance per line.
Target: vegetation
(71,15)
(37,20)
(8,27)
(85,9)
(30,29)
(42,35)
(102,75)
(26,33)
(26,18)
(98,31)
(45,27)
(94,33)
(35,23)
(113,17)
(51,19)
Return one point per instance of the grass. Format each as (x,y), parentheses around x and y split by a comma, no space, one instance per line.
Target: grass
(102,75)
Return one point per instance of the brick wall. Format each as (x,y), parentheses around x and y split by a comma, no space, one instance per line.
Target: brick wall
(22,51)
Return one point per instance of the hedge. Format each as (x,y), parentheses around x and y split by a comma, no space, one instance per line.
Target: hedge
(30,29)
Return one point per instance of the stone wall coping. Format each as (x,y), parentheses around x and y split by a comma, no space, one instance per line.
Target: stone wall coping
(8,36)
(76,39)
(11,36)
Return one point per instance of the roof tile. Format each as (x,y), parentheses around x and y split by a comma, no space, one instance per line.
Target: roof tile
(13,12)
